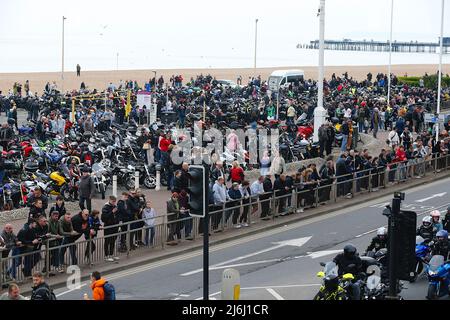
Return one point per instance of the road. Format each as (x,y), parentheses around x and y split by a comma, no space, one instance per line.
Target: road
(276,264)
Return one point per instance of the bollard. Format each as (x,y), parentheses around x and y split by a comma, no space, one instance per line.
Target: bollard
(158,180)
(114,186)
(231,285)
(136,180)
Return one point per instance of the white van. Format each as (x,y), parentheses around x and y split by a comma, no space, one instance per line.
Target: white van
(282,78)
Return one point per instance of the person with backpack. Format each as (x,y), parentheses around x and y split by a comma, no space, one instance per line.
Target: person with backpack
(41,290)
(101,289)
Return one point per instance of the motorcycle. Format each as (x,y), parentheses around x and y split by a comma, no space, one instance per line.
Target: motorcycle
(54,184)
(329,290)
(375,289)
(423,255)
(101,180)
(438,272)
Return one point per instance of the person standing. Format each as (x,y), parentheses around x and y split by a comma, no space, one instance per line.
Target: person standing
(375,122)
(345,130)
(78,70)
(66,230)
(220,198)
(41,290)
(149,215)
(125,216)
(110,219)
(27,87)
(265,198)
(173,213)
(86,190)
(323,138)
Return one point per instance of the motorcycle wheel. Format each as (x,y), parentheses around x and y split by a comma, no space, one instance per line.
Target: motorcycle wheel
(65,193)
(432,293)
(164,181)
(102,191)
(150,182)
(294,159)
(106,163)
(129,182)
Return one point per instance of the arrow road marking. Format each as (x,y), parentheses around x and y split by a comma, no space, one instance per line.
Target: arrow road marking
(433,196)
(319,254)
(293,242)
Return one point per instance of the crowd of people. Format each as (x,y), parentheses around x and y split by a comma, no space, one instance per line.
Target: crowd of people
(351,105)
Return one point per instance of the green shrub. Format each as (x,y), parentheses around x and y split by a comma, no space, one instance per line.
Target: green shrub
(430,81)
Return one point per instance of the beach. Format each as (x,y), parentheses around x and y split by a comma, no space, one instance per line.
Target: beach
(100,79)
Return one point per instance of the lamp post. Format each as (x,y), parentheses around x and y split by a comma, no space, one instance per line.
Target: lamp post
(438,109)
(390,54)
(319,111)
(62,62)
(256,43)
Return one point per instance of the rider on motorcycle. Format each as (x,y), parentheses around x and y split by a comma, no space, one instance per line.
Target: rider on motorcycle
(380,241)
(446,220)
(426,229)
(350,262)
(436,216)
(441,246)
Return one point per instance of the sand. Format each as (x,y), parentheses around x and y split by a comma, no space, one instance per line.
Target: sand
(101,79)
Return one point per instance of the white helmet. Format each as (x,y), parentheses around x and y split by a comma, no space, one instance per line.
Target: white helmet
(381,231)
(426,220)
(435,213)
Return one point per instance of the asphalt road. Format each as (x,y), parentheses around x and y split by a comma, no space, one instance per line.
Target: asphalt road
(276,264)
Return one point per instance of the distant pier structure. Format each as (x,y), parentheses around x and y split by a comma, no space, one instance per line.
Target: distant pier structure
(380,46)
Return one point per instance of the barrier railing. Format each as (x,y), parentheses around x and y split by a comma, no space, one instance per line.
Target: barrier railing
(56,254)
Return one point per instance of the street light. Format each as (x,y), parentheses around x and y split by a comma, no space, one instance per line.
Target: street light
(319,111)
(62,64)
(438,109)
(390,54)
(256,42)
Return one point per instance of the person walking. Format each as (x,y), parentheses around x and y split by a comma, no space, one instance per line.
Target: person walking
(110,219)
(86,190)
(101,289)
(78,70)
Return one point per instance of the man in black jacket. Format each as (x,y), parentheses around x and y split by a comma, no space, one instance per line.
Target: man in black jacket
(280,193)
(217,172)
(446,220)
(134,205)
(81,225)
(265,198)
(31,243)
(86,190)
(110,218)
(327,173)
(350,262)
(124,217)
(41,290)
(37,194)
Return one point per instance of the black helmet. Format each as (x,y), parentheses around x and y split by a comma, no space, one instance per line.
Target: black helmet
(349,250)
(331,282)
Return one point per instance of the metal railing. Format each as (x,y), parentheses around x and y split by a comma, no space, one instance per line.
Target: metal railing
(56,254)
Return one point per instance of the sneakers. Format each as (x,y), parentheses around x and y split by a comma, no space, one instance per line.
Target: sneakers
(348,196)
(109,259)
(60,269)
(189,237)
(300,210)
(238,226)
(116,258)
(245,224)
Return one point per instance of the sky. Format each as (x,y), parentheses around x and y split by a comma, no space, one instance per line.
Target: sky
(197,33)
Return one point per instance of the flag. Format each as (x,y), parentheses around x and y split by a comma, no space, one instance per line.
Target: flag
(128,106)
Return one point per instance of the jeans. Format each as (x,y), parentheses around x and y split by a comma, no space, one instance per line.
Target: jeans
(72,250)
(360,126)
(149,234)
(110,242)
(16,262)
(30,261)
(344,142)
(187,224)
(164,160)
(2,175)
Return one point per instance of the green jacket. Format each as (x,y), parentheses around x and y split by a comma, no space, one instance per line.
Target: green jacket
(65,228)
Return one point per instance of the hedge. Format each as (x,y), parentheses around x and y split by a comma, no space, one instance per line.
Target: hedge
(430,81)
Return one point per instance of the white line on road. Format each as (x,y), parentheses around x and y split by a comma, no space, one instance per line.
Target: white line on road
(432,197)
(275,294)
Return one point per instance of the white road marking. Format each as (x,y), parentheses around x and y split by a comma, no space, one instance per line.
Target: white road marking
(433,196)
(319,254)
(275,294)
(293,242)
(62,293)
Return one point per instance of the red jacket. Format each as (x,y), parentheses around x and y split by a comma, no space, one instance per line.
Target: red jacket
(164,145)
(400,156)
(237,174)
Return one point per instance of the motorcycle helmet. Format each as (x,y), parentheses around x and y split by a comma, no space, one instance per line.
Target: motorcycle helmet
(349,251)
(442,234)
(426,221)
(382,232)
(331,282)
(435,214)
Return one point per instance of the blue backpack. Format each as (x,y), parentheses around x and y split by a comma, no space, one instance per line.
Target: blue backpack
(110,291)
